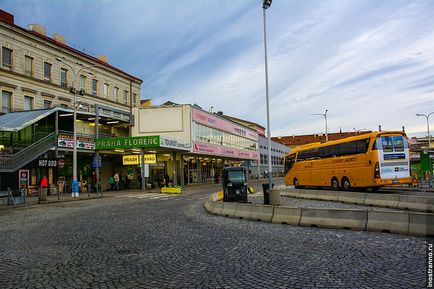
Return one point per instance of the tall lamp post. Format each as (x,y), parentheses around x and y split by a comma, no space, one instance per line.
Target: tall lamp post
(427,125)
(265,5)
(325,117)
(74,150)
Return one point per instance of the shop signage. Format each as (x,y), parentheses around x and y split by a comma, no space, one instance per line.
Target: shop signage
(67,141)
(23,178)
(174,144)
(47,163)
(127,142)
(224,125)
(135,159)
(211,149)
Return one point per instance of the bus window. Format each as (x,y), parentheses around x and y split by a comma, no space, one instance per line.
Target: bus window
(398,143)
(387,143)
(289,162)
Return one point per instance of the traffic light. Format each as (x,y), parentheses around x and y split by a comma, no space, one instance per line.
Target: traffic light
(266,4)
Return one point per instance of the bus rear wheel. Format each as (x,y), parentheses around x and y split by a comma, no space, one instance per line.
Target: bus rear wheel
(346,185)
(296,185)
(335,184)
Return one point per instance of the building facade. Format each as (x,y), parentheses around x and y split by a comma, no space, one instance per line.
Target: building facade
(42,82)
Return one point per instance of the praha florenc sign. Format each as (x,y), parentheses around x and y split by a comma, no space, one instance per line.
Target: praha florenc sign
(140,142)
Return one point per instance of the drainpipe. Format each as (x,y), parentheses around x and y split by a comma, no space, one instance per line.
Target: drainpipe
(130,133)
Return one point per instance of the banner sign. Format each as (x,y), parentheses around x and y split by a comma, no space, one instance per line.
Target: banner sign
(135,159)
(224,125)
(174,144)
(211,149)
(127,142)
(67,141)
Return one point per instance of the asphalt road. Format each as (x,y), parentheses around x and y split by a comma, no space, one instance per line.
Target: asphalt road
(152,241)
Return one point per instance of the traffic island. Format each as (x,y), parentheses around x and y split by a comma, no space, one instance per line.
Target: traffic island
(405,222)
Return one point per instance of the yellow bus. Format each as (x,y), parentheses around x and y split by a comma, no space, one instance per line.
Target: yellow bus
(370,160)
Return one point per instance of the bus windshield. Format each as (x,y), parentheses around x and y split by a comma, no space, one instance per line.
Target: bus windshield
(392,143)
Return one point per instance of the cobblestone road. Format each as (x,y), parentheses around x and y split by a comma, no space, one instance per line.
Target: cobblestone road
(130,242)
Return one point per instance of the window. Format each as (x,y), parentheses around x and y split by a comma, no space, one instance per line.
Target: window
(125,97)
(6,101)
(28,66)
(47,104)
(63,106)
(28,102)
(135,98)
(83,83)
(47,71)
(94,87)
(116,94)
(106,88)
(63,77)
(6,57)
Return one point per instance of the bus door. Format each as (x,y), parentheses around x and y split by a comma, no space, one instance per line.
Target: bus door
(393,157)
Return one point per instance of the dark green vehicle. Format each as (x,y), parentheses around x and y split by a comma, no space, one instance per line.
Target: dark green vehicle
(234,184)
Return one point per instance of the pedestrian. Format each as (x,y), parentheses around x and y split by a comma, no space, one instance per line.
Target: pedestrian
(94,182)
(112,183)
(23,190)
(116,177)
(166,179)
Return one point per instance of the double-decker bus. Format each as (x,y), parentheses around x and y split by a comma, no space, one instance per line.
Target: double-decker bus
(370,160)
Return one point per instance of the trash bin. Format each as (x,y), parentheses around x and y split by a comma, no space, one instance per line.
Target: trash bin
(266,193)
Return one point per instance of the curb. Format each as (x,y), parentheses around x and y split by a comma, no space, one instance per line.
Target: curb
(404,223)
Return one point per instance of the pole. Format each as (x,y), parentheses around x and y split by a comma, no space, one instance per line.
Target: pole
(97,153)
(267,101)
(142,171)
(429,136)
(74,147)
(325,116)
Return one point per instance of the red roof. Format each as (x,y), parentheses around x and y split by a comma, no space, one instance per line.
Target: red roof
(297,140)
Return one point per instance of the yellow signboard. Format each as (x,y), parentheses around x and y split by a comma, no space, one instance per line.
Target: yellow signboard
(135,159)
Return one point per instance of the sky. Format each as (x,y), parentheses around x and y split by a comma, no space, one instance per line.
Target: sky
(367,62)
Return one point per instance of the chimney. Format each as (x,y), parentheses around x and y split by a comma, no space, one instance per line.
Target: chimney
(59,38)
(37,28)
(220,113)
(6,17)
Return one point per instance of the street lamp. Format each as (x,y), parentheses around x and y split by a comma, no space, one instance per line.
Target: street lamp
(74,150)
(325,117)
(427,125)
(265,5)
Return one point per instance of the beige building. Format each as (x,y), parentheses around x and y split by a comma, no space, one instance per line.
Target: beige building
(40,76)
(37,71)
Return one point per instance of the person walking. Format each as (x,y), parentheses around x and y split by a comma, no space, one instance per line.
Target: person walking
(112,183)
(116,177)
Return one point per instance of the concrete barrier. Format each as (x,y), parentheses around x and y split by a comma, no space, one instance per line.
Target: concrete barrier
(286,215)
(416,203)
(311,194)
(218,208)
(209,205)
(383,221)
(334,218)
(328,196)
(262,213)
(243,211)
(229,209)
(421,224)
(352,198)
(381,200)
(275,198)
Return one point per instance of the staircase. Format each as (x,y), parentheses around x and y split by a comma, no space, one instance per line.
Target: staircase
(14,162)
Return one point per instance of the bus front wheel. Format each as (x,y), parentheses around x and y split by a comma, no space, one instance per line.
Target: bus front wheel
(296,185)
(346,185)
(335,184)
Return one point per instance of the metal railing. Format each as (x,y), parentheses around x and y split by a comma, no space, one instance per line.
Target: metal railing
(11,163)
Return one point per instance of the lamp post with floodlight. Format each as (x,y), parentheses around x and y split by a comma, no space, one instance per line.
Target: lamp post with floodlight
(325,117)
(265,5)
(74,148)
(427,125)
